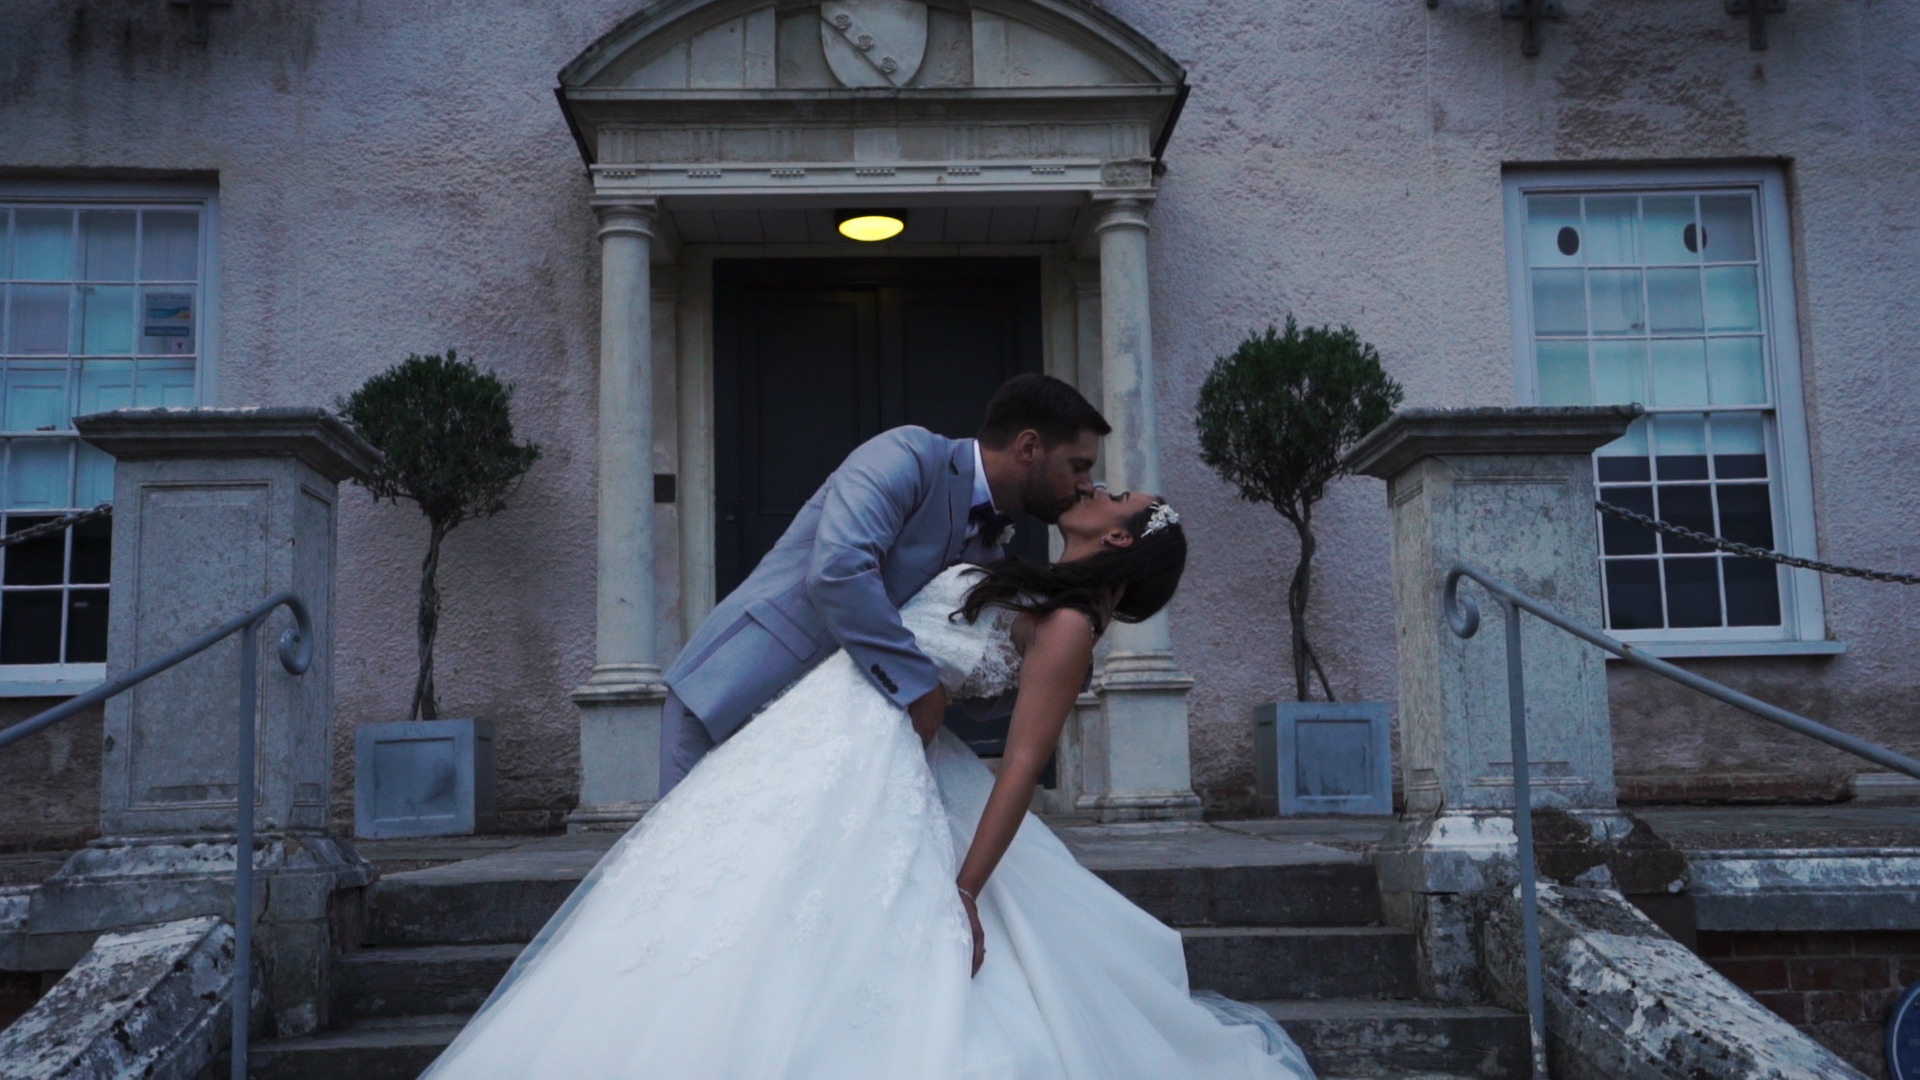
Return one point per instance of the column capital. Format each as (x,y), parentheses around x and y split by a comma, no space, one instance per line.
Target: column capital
(1127,211)
(626,216)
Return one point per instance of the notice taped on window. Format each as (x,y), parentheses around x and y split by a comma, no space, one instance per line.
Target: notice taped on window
(169,317)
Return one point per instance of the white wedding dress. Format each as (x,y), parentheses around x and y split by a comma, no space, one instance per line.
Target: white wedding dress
(789,912)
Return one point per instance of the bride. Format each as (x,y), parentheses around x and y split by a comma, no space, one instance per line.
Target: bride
(799,906)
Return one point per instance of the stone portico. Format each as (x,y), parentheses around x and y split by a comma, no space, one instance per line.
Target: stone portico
(1028,128)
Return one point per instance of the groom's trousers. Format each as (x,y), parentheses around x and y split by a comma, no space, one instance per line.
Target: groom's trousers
(684,740)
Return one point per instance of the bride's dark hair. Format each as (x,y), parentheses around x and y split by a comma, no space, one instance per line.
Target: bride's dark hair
(1149,569)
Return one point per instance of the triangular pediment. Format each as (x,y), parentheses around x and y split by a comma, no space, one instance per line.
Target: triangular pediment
(748,45)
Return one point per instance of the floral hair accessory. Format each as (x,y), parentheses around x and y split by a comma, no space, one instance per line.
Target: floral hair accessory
(1163,516)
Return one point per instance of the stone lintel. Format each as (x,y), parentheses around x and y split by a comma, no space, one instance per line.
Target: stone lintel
(315,436)
(1412,434)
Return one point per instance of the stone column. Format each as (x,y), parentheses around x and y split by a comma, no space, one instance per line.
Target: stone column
(1135,765)
(620,703)
(1511,491)
(215,510)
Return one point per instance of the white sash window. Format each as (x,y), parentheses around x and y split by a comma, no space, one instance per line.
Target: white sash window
(103,307)
(1674,289)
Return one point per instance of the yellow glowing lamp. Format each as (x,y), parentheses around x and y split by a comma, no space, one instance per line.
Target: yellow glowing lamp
(871,225)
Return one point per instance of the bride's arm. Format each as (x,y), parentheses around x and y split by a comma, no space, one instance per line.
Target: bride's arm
(1051,673)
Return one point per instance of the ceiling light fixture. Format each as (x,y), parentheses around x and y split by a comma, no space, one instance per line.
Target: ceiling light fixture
(871,225)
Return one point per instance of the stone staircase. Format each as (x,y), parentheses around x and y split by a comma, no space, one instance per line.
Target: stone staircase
(1292,926)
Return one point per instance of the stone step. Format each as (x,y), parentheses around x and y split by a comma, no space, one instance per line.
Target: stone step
(399,1049)
(1188,876)
(420,980)
(1349,1038)
(1260,963)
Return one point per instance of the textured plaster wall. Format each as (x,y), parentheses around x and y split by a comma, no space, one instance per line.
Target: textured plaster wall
(396,177)
(393,178)
(1343,161)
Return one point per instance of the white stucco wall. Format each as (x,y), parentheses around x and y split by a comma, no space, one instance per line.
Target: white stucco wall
(396,177)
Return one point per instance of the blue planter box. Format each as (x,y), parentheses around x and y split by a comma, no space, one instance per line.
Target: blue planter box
(1314,757)
(424,778)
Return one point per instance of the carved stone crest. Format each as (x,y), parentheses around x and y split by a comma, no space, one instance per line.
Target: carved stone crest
(874,42)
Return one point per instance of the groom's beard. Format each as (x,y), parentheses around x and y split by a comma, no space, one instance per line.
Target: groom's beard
(1038,499)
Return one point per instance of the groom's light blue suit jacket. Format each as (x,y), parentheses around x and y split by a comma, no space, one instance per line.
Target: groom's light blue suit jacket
(890,519)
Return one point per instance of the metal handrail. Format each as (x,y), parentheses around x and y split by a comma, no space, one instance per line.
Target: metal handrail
(295,652)
(1463,617)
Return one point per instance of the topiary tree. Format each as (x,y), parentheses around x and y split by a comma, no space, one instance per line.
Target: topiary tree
(1275,418)
(445,428)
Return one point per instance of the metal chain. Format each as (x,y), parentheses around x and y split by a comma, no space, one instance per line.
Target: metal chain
(56,525)
(1753,552)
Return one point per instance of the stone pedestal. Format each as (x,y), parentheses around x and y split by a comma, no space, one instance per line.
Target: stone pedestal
(1511,491)
(214,510)
(620,703)
(1135,763)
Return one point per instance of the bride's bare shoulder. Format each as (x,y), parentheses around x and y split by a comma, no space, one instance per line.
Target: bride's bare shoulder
(1062,628)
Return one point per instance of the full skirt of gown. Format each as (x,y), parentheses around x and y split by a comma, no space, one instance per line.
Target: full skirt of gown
(789,911)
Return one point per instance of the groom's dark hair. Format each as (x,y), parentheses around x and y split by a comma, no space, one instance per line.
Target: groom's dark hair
(1041,403)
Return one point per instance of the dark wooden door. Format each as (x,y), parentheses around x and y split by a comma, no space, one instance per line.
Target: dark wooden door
(814,356)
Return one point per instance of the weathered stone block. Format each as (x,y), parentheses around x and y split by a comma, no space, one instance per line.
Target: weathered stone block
(1626,1002)
(151,1003)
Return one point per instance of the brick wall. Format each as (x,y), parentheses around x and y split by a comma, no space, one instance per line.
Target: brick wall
(1839,988)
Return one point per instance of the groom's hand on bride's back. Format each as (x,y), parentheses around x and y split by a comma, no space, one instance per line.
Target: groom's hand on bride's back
(929,713)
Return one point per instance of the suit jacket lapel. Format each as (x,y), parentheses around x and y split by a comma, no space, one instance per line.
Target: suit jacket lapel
(959,498)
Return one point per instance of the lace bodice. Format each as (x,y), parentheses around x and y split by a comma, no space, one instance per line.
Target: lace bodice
(976,660)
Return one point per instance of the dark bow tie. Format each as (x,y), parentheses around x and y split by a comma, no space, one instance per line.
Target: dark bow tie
(990,522)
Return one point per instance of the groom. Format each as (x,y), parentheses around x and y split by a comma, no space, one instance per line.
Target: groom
(902,508)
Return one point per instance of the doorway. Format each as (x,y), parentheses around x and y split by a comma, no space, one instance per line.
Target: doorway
(812,357)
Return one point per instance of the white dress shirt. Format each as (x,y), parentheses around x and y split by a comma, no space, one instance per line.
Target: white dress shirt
(981,492)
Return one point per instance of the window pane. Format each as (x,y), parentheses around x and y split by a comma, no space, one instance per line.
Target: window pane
(166,320)
(1559,302)
(95,480)
(1746,514)
(87,626)
(1621,537)
(39,319)
(1553,226)
(1616,302)
(106,322)
(1739,447)
(92,551)
(1733,298)
(1563,373)
(1738,371)
(41,561)
(1689,506)
(1633,594)
(43,245)
(37,474)
(36,396)
(1610,227)
(30,627)
(1619,372)
(1668,235)
(1728,221)
(1679,373)
(107,238)
(105,384)
(1753,592)
(170,248)
(167,383)
(1673,301)
(1680,446)
(1693,592)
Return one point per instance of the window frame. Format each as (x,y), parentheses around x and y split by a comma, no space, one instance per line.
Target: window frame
(63,680)
(1802,629)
